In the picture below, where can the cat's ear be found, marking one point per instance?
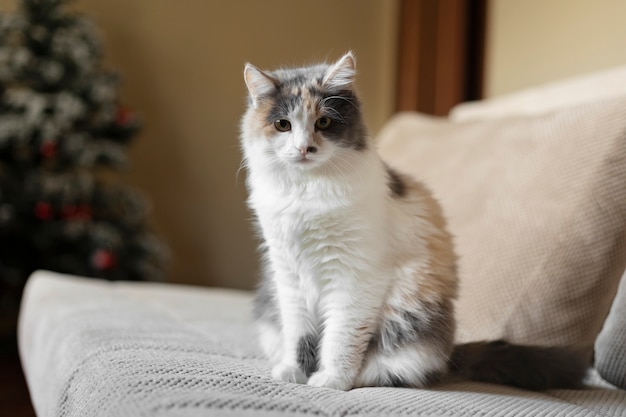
(340, 75)
(258, 83)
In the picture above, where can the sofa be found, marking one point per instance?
(532, 184)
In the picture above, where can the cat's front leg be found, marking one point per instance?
(298, 331)
(350, 320)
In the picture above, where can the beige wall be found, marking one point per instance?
(536, 41)
(182, 62)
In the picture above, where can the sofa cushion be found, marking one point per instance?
(537, 204)
(611, 342)
(542, 99)
(93, 348)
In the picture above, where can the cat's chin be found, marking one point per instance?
(303, 162)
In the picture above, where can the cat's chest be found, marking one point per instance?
(306, 218)
(319, 219)
(313, 244)
(306, 201)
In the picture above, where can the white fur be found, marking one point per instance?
(337, 243)
(411, 363)
(327, 248)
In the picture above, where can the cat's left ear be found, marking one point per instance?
(259, 83)
(340, 76)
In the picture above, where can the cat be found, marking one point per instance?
(360, 272)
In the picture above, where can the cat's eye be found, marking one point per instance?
(282, 125)
(323, 123)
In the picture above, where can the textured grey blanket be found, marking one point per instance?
(93, 348)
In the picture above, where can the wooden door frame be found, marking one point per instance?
(440, 54)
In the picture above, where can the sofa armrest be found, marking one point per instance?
(88, 346)
(610, 345)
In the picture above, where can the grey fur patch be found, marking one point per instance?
(343, 107)
(307, 353)
(347, 129)
(396, 184)
(431, 324)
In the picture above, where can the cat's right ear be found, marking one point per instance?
(259, 83)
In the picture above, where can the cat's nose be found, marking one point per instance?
(306, 150)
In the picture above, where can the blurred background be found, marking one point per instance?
(181, 64)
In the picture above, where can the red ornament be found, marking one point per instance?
(67, 211)
(43, 210)
(123, 116)
(84, 212)
(103, 259)
(76, 212)
(48, 149)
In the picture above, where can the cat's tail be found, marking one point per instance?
(529, 367)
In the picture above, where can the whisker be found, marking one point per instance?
(242, 165)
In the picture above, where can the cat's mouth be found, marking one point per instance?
(301, 159)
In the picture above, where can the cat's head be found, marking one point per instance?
(305, 117)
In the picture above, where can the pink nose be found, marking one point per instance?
(309, 149)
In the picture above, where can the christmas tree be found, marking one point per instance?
(63, 132)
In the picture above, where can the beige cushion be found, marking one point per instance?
(538, 207)
(547, 98)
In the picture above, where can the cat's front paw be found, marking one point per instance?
(328, 380)
(288, 373)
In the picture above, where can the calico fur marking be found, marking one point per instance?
(397, 186)
(428, 324)
(342, 107)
